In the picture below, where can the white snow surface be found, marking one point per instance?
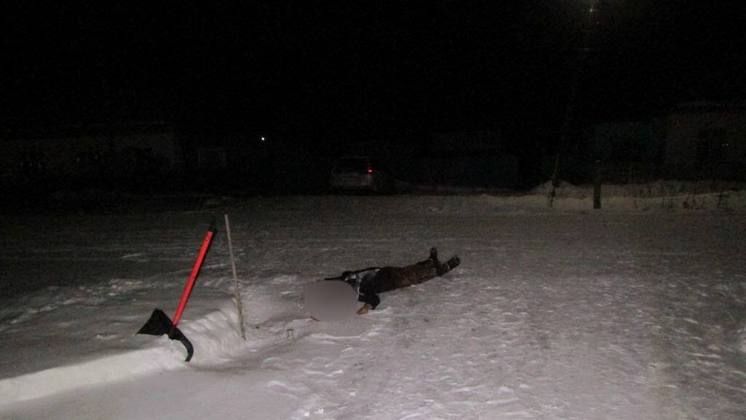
(635, 311)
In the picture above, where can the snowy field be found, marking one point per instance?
(636, 311)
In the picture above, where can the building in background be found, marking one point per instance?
(629, 151)
(692, 141)
(90, 156)
(474, 158)
(706, 140)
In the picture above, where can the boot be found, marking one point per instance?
(448, 265)
(434, 255)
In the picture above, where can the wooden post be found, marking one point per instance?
(597, 186)
(236, 291)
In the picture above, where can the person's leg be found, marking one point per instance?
(390, 278)
(421, 271)
(431, 260)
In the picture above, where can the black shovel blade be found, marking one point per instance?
(159, 324)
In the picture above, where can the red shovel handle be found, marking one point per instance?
(193, 274)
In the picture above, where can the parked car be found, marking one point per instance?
(360, 173)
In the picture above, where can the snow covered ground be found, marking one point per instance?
(636, 311)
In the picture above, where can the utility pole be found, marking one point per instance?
(589, 30)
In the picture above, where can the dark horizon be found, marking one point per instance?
(320, 71)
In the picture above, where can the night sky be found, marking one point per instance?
(321, 69)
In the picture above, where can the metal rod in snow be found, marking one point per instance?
(236, 290)
(597, 178)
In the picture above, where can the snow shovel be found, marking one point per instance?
(159, 323)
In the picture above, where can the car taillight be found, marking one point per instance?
(370, 169)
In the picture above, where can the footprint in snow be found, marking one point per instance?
(136, 257)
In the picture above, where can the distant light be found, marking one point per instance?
(264, 139)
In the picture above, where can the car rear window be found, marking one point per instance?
(352, 165)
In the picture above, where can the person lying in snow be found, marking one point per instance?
(368, 282)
